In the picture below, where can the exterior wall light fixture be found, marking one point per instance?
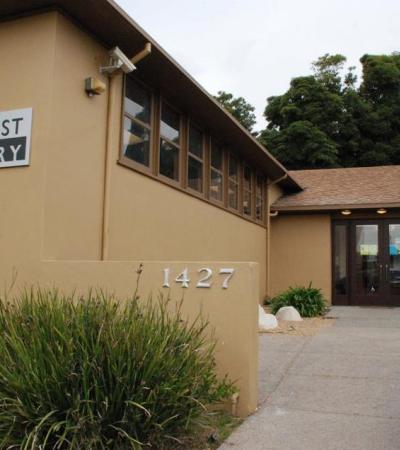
(93, 86)
(381, 211)
(345, 212)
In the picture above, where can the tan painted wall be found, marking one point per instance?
(237, 348)
(27, 81)
(148, 219)
(301, 252)
(274, 192)
(75, 163)
(170, 223)
(51, 228)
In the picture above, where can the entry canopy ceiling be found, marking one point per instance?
(351, 188)
(110, 25)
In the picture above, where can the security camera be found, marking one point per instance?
(118, 60)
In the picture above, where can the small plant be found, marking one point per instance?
(266, 300)
(308, 301)
(96, 373)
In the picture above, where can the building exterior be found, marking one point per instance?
(341, 232)
(152, 170)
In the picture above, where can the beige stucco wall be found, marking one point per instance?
(75, 204)
(76, 149)
(26, 82)
(237, 347)
(300, 252)
(274, 192)
(148, 219)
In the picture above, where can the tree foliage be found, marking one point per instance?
(239, 108)
(325, 120)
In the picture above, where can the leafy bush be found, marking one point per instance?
(308, 301)
(95, 373)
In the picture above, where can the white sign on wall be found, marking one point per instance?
(15, 137)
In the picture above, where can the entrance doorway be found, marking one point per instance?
(366, 262)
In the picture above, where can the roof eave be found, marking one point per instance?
(333, 207)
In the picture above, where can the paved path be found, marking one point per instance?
(338, 390)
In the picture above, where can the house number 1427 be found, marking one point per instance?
(204, 279)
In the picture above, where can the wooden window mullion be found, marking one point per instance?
(184, 151)
(157, 137)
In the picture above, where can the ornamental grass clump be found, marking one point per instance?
(96, 373)
(308, 301)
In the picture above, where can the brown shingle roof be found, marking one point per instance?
(358, 187)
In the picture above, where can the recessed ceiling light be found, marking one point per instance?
(381, 211)
(346, 212)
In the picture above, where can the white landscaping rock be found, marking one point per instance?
(288, 313)
(266, 321)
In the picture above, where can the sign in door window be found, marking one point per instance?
(15, 137)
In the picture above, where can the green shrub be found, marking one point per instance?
(308, 301)
(95, 373)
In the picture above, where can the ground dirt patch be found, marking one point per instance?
(307, 327)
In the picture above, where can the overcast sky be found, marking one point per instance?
(253, 48)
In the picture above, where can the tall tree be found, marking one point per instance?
(327, 69)
(303, 124)
(380, 88)
(324, 120)
(239, 108)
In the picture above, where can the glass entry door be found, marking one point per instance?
(392, 265)
(366, 262)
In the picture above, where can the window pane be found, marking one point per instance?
(259, 198)
(233, 195)
(170, 124)
(259, 185)
(233, 168)
(195, 174)
(259, 208)
(394, 252)
(196, 141)
(247, 203)
(367, 260)
(340, 259)
(247, 178)
(216, 185)
(137, 101)
(169, 160)
(216, 156)
(136, 142)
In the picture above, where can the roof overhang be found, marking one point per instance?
(333, 207)
(110, 25)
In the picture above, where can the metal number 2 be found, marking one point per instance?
(203, 282)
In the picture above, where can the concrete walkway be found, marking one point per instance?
(338, 390)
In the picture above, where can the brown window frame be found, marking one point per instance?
(250, 191)
(157, 100)
(263, 196)
(128, 161)
(180, 147)
(221, 171)
(189, 154)
(237, 182)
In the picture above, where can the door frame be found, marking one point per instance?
(356, 299)
(361, 217)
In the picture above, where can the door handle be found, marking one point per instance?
(386, 272)
(380, 271)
